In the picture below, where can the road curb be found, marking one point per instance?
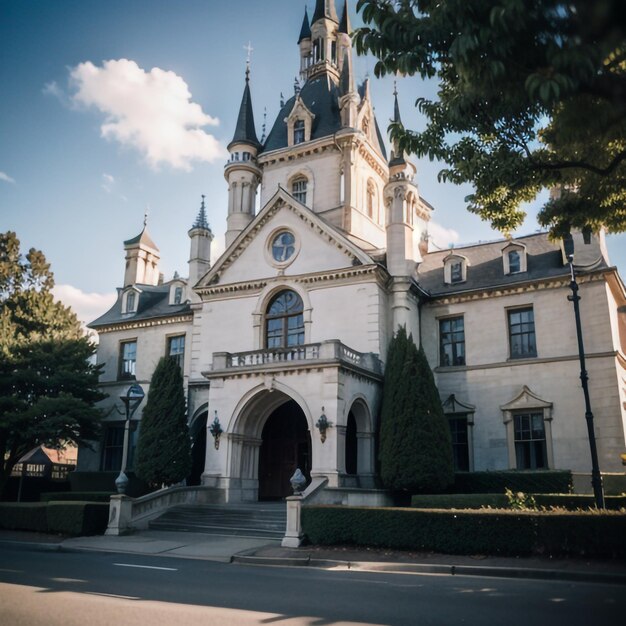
(32, 546)
(450, 570)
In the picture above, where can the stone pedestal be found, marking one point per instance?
(120, 512)
(293, 533)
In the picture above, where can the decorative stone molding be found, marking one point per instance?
(160, 321)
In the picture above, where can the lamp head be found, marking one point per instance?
(568, 246)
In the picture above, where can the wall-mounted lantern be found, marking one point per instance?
(323, 425)
(216, 430)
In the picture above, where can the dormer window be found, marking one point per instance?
(456, 272)
(129, 304)
(178, 295)
(514, 258)
(177, 292)
(298, 132)
(455, 269)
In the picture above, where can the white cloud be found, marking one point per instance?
(108, 182)
(87, 306)
(6, 178)
(149, 111)
(441, 237)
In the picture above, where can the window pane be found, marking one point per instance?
(530, 441)
(522, 333)
(128, 357)
(514, 261)
(452, 341)
(285, 321)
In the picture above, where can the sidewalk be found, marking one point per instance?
(261, 551)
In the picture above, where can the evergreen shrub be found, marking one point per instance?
(539, 481)
(164, 447)
(77, 518)
(485, 531)
(23, 516)
(415, 448)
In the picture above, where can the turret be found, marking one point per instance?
(324, 38)
(142, 259)
(349, 98)
(304, 41)
(242, 171)
(404, 227)
(200, 247)
(344, 42)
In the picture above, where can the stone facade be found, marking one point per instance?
(282, 341)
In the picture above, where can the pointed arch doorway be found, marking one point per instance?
(286, 445)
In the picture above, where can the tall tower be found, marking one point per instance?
(142, 259)
(401, 200)
(324, 26)
(200, 247)
(242, 171)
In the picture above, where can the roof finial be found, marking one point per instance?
(282, 100)
(395, 89)
(145, 215)
(201, 221)
(249, 50)
(296, 86)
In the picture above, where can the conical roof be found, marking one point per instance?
(305, 31)
(201, 220)
(245, 131)
(143, 238)
(344, 25)
(324, 8)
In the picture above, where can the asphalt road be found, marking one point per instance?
(51, 588)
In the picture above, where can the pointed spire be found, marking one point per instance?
(245, 131)
(201, 220)
(346, 82)
(324, 8)
(305, 31)
(396, 107)
(344, 25)
(264, 127)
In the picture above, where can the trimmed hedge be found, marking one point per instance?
(469, 532)
(66, 518)
(77, 518)
(465, 501)
(540, 481)
(23, 516)
(82, 496)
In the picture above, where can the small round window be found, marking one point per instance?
(283, 246)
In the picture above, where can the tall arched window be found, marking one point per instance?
(284, 321)
(298, 189)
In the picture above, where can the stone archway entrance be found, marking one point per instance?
(286, 445)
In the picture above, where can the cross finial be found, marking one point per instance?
(249, 50)
(145, 216)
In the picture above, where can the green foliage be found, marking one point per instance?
(541, 481)
(164, 447)
(520, 501)
(415, 448)
(485, 531)
(24, 516)
(77, 518)
(531, 96)
(73, 496)
(48, 387)
(459, 501)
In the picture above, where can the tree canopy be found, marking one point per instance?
(48, 386)
(164, 447)
(415, 449)
(532, 95)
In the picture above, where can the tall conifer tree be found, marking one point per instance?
(164, 448)
(415, 447)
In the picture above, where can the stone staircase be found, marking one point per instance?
(256, 519)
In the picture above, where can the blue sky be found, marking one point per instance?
(110, 107)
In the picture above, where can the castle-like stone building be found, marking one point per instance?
(282, 341)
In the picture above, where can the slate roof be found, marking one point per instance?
(324, 8)
(153, 302)
(305, 31)
(245, 131)
(485, 268)
(142, 237)
(321, 96)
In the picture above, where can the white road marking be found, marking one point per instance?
(167, 569)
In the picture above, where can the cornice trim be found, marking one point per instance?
(130, 325)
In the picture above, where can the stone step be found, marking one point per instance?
(263, 520)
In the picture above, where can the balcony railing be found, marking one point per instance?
(325, 351)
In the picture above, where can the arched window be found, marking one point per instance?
(284, 321)
(298, 189)
(298, 132)
(371, 197)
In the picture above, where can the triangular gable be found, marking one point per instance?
(279, 201)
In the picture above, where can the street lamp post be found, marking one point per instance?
(131, 399)
(596, 477)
